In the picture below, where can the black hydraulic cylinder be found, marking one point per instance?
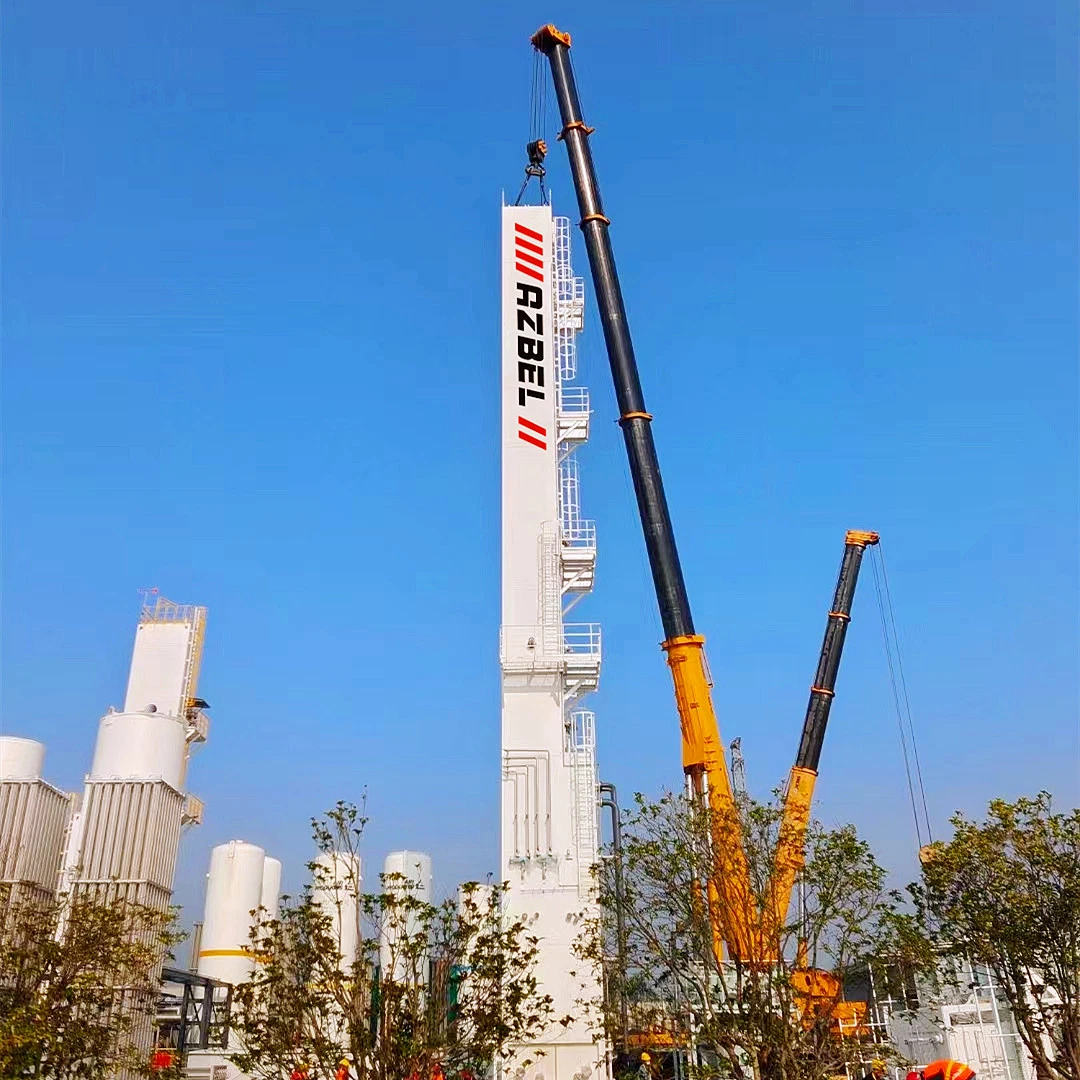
(832, 648)
(633, 418)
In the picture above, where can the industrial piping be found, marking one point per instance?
(612, 803)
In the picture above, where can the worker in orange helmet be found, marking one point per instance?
(437, 1072)
(946, 1069)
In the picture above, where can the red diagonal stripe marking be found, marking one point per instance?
(530, 439)
(529, 259)
(529, 232)
(527, 246)
(531, 273)
(531, 426)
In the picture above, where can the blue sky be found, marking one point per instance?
(250, 340)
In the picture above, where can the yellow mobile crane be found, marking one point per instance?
(751, 934)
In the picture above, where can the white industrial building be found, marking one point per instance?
(550, 827)
(125, 839)
(122, 838)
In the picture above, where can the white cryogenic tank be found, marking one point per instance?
(21, 759)
(336, 889)
(399, 958)
(234, 888)
(271, 887)
(140, 746)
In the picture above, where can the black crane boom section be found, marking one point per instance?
(633, 417)
(832, 648)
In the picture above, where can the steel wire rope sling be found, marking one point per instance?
(536, 148)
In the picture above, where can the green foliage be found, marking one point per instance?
(750, 1020)
(458, 987)
(1006, 893)
(71, 1003)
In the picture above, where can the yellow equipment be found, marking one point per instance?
(751, 934)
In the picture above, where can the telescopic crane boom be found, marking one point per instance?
(703, 755)
(751, 935)
(800, 788)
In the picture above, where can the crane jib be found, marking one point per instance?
(659, 536)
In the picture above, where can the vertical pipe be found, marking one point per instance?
(612, 802)
(196, 945)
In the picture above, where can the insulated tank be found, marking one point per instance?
(234, 888)
(140, 746)
(404, 872)
(271, 887)
(21, 759)
(336, 889)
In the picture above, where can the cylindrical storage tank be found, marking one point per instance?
(399, 954)
(336, 888)
(271, 887)
(140, 746)
(234, 888)
(21, 759)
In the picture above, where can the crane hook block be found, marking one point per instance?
(547, 37)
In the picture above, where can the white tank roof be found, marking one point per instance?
(21, 759)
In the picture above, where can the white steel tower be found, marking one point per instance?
(550, 828)
(128, 834)
(125, 840)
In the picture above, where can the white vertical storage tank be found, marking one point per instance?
(34, 818)
(234, 889)
(271, 887)
(404, 872)
(336, 889)
(140, 746)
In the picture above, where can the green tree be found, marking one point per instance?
(779, 1021)
(72, 1003)
(1006, 893)
(457, 989)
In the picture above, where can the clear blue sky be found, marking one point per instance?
(250, 343)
